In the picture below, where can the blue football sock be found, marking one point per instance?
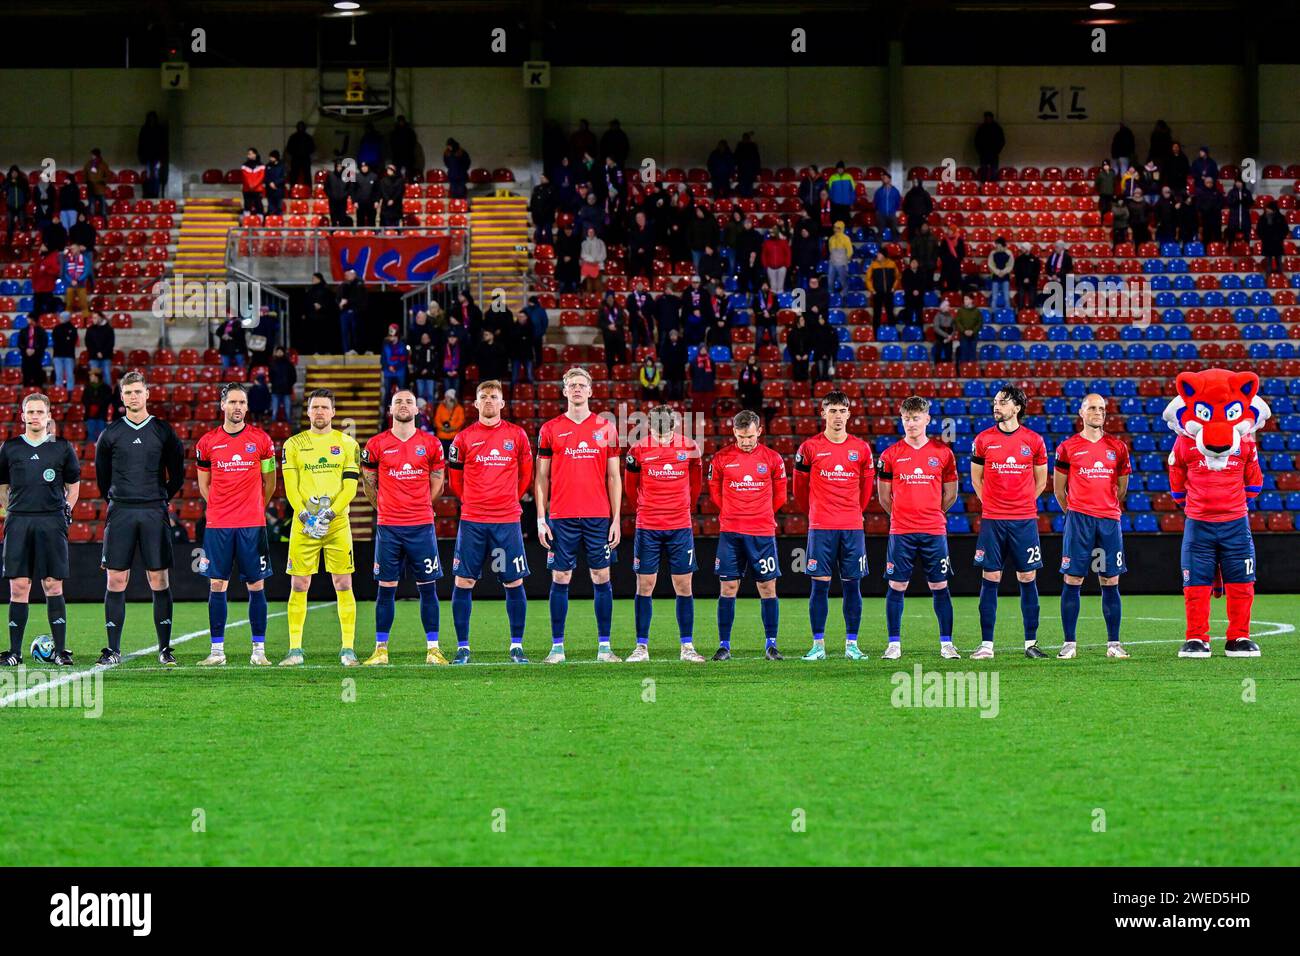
(385, 611)
(942, 599)
(988, 608)
(852, 602)
(257, 615)
(726, 618)
(1070, 610)
(770, 608)
(217, 616)
(603, 604)
(1029, 609)
(818, 608)
(431, 612)
(894, 613)
(643, 608)
(516, 613)
(1110, 610)
(559, 611)
(685, 617)
(462, 604)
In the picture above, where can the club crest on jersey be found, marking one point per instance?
(979, 554)
(203, 565)
(1024, 451)
(1110, 456)
(681, 456)
(636, 564)
(455, 563)
(717, 564)
(419, 449)
(376, 569)
(762, 469)
(290, 567)
(812, 564)
(250, 447)
(853, 456)
(889, 567)
(934, 462)
(1065, 561)
(1187, 575)
(335, 450)
(508, 445)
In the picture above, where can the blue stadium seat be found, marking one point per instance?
(1150, 266)
(1233, 282)
(722, 353)
(913, 333)
(1145, 522)
(887, 333)
(1055, 406)
(1271, 441)
(1124, 386)
(845, 354)
(1179, 333)
(1059, 333)
(1279, 462)
(1139, 423)
(953, 406)
(1148, 461)
(974, 389)
(1212, 299)
(1193, 249)
(1125, 524)
(1185, 351)
(1075, 388)
(1157, 481)
(1137, 351)
(958, 524)
(842, 333)
(891, 353)
(1143, 443)
(1189, 299)
(1063, 352)
(1088, 352)
(1038, 352)
(1271, 501)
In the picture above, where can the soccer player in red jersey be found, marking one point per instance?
(917, 478)
(402, 473)
(748, 483)
(236, 464)
(663, 483)
(1213, 483)
(1009, 471)
(491, 466)
(579, 492)
(832, 484)
(1090, 482)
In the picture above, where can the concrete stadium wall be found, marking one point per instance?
(676, 115)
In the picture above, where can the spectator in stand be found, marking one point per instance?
(1150, 183)
(1165, 214)
(641, 248)
(1123, 148)
(65, 352)
(259, 401)
(712, 266)
(1104, 184)
(1060, 263)
(749, 257)
(1139, 214)
(95, 399)
(490, 356)
(766, 309)
(274, 183)
(538, 323)
(583, 140)
(151, 148)
(232, 344)
(457, 161)
(418, 327)
(614, 144)
(83, 234)
(840, 251)
(300, 149)
(843, 193)
(640, 308)
(541, 209)
(1239, 200)
(805, 253)
(1001, 264)
(1209, 209)
(817, 297)
(97, 175)
(702, 235)
(747, 165)
(253, 176)
(33, 341)
(1189, 222)
(337, 191)
(46, 269)
(392, 189)
(101, 341)
(1175, 169)
(593, 261)
(888, 201)
(811, 186)
(1119, 224)
(46, 204)
(776, 259)
(568, 255)
(721, 165)
(17, 192)
(426, 367)
(448, 418)
(77, 271)
(69, 204)
(1129, 181)
(1272, 231)
(673, 357)
(520, 349)
(695, 316)
(284, 379)
(364, 190)
(704, 383)
(917, 206)
(924, 245)
(320, 308)
(798, 345)
(651, 377)
(564, 177)
(916, 284)
(1027, 270)
(969, 320)
(945, 331)
(451, 361)
(882, 281)
(1161, 145)
(719, 320)
(751, 385)
(404, 147)
(353, 302)
(668, 316)
(826, 349)
(989, 143)
(952, 253)
(1204, 167)
(613, 332)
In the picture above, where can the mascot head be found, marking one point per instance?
(1217, 408)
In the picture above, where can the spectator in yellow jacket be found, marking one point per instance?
(882, 279)
(840, 250)
(449, 418)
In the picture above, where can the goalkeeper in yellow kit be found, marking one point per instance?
(321, 468)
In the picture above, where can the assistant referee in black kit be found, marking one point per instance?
(39, 482)
(140, 466)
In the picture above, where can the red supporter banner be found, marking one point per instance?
(399, 260)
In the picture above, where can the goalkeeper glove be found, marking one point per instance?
(321, 524)
(67, 514)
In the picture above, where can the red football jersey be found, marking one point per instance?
(663, 482)
(491, 468)
(1009, 459)
(237, 462)
(1093, 470)
(916, 477)
(404, 469)
(578, 452)
(748, 488)
(832, 482)
(1214, 495)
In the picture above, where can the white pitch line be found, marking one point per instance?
(68, 678)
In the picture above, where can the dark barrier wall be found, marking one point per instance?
(1153, 563)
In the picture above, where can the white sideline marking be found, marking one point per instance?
(68, 678)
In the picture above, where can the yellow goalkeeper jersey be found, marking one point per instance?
(319, 465)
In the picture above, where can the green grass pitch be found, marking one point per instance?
(1149, 761)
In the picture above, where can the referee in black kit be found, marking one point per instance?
(140, 465)
(39, 481)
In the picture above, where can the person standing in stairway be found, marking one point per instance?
(353, 302)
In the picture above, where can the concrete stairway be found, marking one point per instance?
(201, 247)
(500, 247)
